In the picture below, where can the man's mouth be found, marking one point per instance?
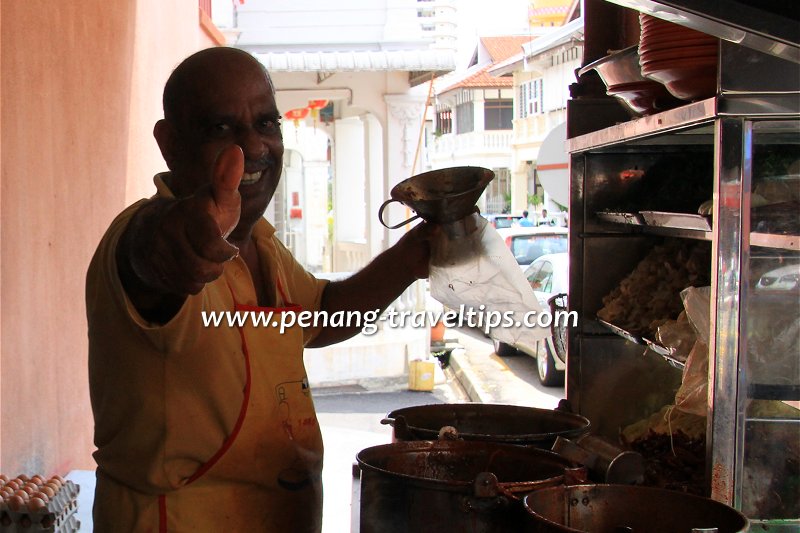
(250, 178)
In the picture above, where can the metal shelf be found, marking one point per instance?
(673, 119)
(680, 121)
(771, 240)
(661, 231)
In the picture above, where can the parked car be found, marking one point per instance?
(785, 278)
(502, 220)
(529, 243)
(549, 278)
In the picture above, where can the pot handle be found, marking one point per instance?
(384, 205)
(401, 429)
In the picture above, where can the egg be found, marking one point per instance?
(58, 478)
(53, 486)
(23, 477)
(48, 491)
(13, 484)
(36, 504)
(6, 492)
(30, 490)
(22, 494)
(4, 478)
(15, 503)
(39, 480)
(41, 495)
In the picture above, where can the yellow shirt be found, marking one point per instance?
(166, 397)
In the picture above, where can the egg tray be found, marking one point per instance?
(58, 515)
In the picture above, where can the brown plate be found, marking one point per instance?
(647, 44)
(679, 53)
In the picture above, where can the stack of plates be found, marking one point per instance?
(621, 73)
(684, 60)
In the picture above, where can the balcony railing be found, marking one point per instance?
(476, 142)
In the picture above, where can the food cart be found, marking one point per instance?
(721, 209)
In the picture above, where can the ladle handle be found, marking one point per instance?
(380, 215)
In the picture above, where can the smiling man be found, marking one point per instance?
(213, 428)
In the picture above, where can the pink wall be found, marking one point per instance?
(81, 88)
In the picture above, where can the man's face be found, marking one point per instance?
(235, 105)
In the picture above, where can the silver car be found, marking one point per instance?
(548, 276)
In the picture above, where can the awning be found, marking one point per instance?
(353, 61)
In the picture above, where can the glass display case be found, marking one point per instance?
(707, 195)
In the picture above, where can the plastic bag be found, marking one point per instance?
(678, 336)
(472, 270)
(692, 396)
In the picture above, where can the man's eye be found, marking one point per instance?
(269, 126)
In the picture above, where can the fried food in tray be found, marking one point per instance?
(650, 295)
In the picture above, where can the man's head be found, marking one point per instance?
(215, 98)
(544, 212)
(525, 214)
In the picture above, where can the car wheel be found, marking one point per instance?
(502, 349)
(548, 375)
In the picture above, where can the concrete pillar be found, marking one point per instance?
(350, 181)
(315, 212)
(376, 192)
(402, 137)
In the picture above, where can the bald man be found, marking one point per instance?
(201, 427)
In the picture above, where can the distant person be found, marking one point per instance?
(525, 222)
(544, 220)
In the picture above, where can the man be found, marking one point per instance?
(525, 222)
(543, 220)
(202, 428)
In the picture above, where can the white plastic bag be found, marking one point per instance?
(473, 271)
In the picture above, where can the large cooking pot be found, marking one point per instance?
(510, 424)
(625, 508)
(464, 486)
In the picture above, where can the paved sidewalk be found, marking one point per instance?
(487, 378)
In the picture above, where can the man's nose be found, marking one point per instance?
(252, 144)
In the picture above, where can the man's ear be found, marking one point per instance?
(166, 137)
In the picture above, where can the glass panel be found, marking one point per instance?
(770, 475)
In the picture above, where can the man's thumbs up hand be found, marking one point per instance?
(227, 203)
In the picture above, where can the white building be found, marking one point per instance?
(542, 74)
(473, 115)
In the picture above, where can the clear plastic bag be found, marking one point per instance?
(473, 270)
(692, 396)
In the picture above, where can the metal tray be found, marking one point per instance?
(622, 333)
(664, 352)
(621, 218)
(677, 220)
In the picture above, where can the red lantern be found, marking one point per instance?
(296, 115)
(315, 106)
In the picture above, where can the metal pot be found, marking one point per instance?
(440, 196)
(627, 509)
(510, 424)
(435, 486)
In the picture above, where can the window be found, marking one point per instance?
(444, 121)
(542, 279)
(465, 122)
(532, 98)
(498, 114)
(528, 248)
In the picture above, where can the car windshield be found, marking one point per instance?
(528, 248)
(503, 222)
